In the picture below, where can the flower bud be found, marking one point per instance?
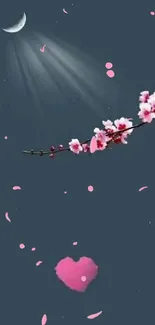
(52, 148)
(52, 155)
(60, 147)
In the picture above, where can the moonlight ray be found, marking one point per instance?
(58, 72)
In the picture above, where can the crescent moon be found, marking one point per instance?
(16, 28)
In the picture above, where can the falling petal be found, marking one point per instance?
(92, 316)
(42, 49)
(93, 145)
(90, 188)
(65, 12)
(15, 188)
(38, 263)
(142, 188)
(110, 73)
(44, 319)
(22, 246)
(108, 65)
(33, 249)
(75, 243)
(152, 13)
(7, 217)
(5, 137)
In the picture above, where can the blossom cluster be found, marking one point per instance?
(112, 132)
(119, 130)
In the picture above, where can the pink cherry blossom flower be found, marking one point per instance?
(122, 124)
(75, 146)
(101, 145)
(109, 125)
(144, 96)
(100, 134)
(151, 101)
(101, 138)
(145, 113)
(120, 139)
(85, 147)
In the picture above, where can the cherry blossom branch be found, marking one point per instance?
(116, 132)
(54, 151)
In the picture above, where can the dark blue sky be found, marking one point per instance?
(115, 224)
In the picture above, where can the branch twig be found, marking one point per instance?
(60, 148)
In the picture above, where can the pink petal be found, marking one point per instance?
(142, 188)
(92, 316)
(7, 217)
(5, 137)
(108, 65)
(75, 243)
(38, 263)
(90, 188)
(152, 13)
(110, 73)
(22, 246)
(65, 12)
(44, 319)
(93, 145)
(42, 49)
(33, 249)
(15, 188)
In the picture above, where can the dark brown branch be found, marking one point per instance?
(61, 149)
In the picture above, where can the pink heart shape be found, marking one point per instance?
(76, 275)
